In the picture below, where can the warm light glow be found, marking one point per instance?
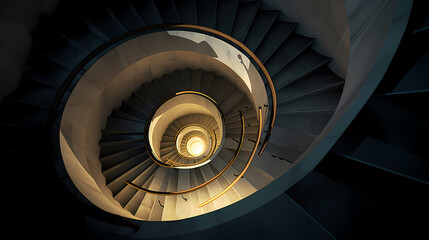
(195, 146)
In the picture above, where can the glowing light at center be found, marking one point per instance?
(195, 146)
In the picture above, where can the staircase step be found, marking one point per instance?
(206, 12)
(140, 103)
(309, 123)
(322, 102)
(187, 11)
(226, 12)
(126, 116)
(105, 22)
(165, 151)
(185, 80)
(389, 158)
(214, 187)
(109, 148)
(119, 124)
(148, 11)
(47, 72)
(150, 205)
(287, 143)
(65, 53)
(183, 207)
(242, 187)
(202, 193)
(35, 94)
(110, 136)
(126, 15)
(116, 158)
(167, 10)
(206, 80)
(260, 27)
(148, 96)
(128, 196)
(277, 34)
(80, 32)
(290, 49)
(314, 84)
(304, 65)
(130, 109)
(255, 176)
(414, 81)
(236, 96)
(196, 80)
(246, 12)
(123, 168)
(169, 212)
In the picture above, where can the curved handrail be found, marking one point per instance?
(149, 120)
(237, 151)
(245, 167)
(260, 65)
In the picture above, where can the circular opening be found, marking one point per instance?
(195, 146)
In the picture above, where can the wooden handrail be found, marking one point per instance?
(239, 176)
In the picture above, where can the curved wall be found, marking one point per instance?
(114, 76)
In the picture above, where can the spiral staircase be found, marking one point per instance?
(149, 176)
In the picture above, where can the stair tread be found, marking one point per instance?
(285, 142)
(124, 167)
(307, 123)
(168, 11)
(109, 148)
(206, 12)
(116, 158)
(147, 11)
(387, 157)
(277, 34)
(315, 83)
(105, 22)
(34, 94)
(126, 15)
(64, 52)
(287, 52)
(301, 67)
(81, 33)
(126, 116)
(119, 124)
(226, 11)
(320, 102)
(260, 27)
(246, 12)
(187, 11)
